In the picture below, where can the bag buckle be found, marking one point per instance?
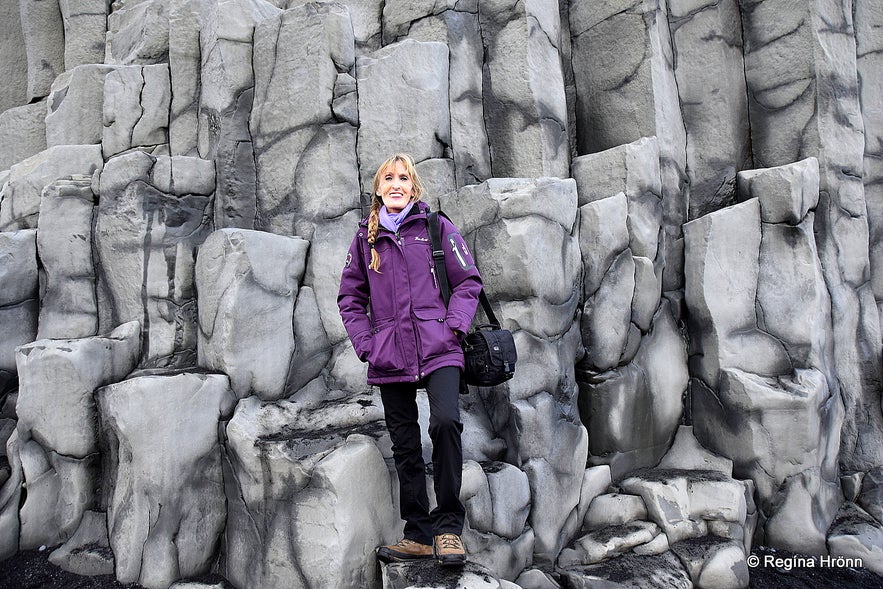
(438, 254)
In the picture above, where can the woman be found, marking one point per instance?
(393, 311)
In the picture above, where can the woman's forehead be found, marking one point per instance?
(395, 167)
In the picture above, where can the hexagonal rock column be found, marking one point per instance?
(18, 296)
(68, 306)
(43, 30)
(763, 352)
(20, 202)
(308, 493)
(185, 77)
(138, 33)
(13, 59)
(812, 108)
(626, 89)
(304, 118)
(248, 283)
(404, 106)
(136, 108)
(85, 25)
(74, 115)
(635, 367)
(162, 474)
(524, 103)
(710, 73)
(153, 215)
(534, 285)
(24, 130)
(226, 94)
(57, 421)
(456, 25)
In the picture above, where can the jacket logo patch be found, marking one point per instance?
(349, 259)
(418, 238)
(455, 248)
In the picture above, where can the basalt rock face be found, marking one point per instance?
(675, 206)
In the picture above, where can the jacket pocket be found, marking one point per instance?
(385, 354)
(434, 337)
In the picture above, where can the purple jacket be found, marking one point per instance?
(396, 319)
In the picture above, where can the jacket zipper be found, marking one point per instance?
(432, 271)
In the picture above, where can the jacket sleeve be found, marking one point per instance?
(352, 299)
(463, 277)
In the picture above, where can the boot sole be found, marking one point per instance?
(387, 556)
(451, 560)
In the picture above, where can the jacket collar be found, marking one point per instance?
(418, 211)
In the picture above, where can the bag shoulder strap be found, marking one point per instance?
(438, 258)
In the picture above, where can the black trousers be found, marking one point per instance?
(400, 410)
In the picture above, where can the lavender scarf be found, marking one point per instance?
(392, 221)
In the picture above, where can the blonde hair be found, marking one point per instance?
(377, 202)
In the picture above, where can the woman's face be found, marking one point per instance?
(396, 187)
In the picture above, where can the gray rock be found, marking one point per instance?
(68, 305)
(74, 115)
(428, 575)
(851, 484)
(136, 108)
(289, 72)
(658, 545)
(710, 73)
(786, 193)
(173, 481)
(686, 453)
(138, 33)
(248, 284)
(366, 21)
(603, 231)
(10, 500)
(523, 89)
(145, 243)
(18, 297)
(613, 509)
(24, 131)
(713, 562)
(812, 108)
(854, 534)
(605, 319)
(20, 203)
(43, 30)
(536, 579)
(871, 497)
(419, 125)
(85, 24)
(607, 542)
(308, 499)
(629, 571)
(184, 72)
(87, 552)
(56, 425)
(13, 59)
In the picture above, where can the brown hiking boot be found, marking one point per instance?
(449, 550)
(404, 550)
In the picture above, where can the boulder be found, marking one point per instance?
(428, 575)
(713, 562)
(613, 509)
(629, 571)
(607, 542)
(165, 493)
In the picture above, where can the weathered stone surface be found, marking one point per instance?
(88, 550)
(786, 193)
(706, 36)
(24, 131)
(523, 89)
(309, 500)
(57, 427)
(74, 115)
(165, 494)
(13, 59)
(185, 77)
(686, 453)
(152, 216)
(713, 562)
(613, 509)
(811, 108)
(536, 579)
(419, 125)
(68, 305)
(456, 24)
(855, 534)
(138, 33)
(629, 572)
(85, 24)
(290, 72)
(43, 31)
(428, 575)
(608, 542)
(10, 500)
(18, 297)
(136, 108)
(20, 201)
(625, 90)
(871, 497)
(248, 284)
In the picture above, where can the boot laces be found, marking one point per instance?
(451, 541)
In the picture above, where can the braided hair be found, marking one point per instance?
(377, 202)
